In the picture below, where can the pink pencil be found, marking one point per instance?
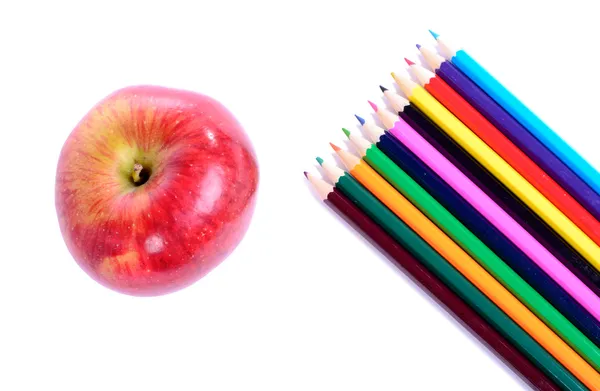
(490, 210)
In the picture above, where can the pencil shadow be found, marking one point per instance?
(376, 119)
(339, 161)
(349, 146)
(423, 62)
(383, 256)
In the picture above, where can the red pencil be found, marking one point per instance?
(496, 140)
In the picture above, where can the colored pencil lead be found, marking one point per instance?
(346, 132)
(434, 35)
(408, 61)
(373, 106)
(335, 147)
(320, 161)
(360, 119)
(382, 88)
(306, 174)
(418, 46)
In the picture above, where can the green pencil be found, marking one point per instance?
(452, 278)
(476, 248)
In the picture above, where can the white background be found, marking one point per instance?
(304, 303)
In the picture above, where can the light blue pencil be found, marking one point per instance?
(463, 61)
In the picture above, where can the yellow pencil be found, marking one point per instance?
(500, 169)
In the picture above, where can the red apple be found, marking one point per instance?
(154, 188)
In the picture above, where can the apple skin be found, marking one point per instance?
(194, 209)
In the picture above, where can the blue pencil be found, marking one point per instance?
(463, 61)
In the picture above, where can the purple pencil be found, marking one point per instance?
(512, 129)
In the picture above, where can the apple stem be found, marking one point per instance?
(137, 168)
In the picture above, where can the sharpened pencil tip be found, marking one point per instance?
(408, 61)
(346, 132)
(306, 174)
(434, 35)
(418, 46)
(373, 106)
(335, 147)
(393, 74)
(360, 119)
(383, 89)
(320, 161)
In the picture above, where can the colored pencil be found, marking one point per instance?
(524, 216)
(443, 295)
(463, 61)
(487, 233)
(487, 207)
(469, 268)
(496, 140)
(408, 239)
(500, 168)
(516, 132)
(471, 244)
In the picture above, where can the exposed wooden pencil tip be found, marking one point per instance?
(335, 147)
(373, 106)
(408, 61)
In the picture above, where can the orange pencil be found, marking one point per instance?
(467, 266)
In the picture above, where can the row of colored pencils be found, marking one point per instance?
(488, 208)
